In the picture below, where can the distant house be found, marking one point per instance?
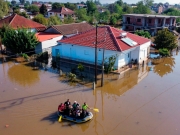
(68, 30)
(81, 47)
(61, 12)
(148, 22)
(79, 6)
(46, 41)
(17, 21)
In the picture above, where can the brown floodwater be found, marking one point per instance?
(139, 102)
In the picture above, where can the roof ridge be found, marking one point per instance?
(78, 34)
(13, 18)
(115, 38)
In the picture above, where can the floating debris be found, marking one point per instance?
(6, 126)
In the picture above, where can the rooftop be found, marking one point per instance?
(73, 28)
(149, 15)
(108, 37)
(17, 21)
(41, 36)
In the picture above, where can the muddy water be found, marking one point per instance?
(140, 102)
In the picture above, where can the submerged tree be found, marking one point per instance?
(20, 40)
(165, 39)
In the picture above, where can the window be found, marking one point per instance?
(149, 20)
(50, 13)
(138, 20)
(59, 14)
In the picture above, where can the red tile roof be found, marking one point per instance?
(62, 10)
(73, 28)
(41, 36)
(17, 21)
(108, 37)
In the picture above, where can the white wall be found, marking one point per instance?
(53, 14)
(143, 50)
(87, 54)
(46, 45)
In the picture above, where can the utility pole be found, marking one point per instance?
(96, 57)
(102, 76)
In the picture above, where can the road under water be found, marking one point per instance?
(141, 102)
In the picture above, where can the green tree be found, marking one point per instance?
(143, 33)
(165, 39)
(54, 20)
(68, 20)
(23, 14)
(127, 9)
(33, 8)
(22, 1)
(40, 19)
(120, 3)
(3, 8)
(113, 20)
(13, 2)
(70, 6)
(81, 14)
(43, 9)
(141, 8)
(20, 40)
(105, 17)
(57, 5)
(91, 7)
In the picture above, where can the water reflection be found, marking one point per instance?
(163, 66)
(125, 81)
(23, 75)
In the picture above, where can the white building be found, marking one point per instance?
(124, 45)
(61, 12)
(46, 41)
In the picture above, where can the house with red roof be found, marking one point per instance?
(112, 41)
(17, 21)
(61, 12)
(68, 30)
(46, 41)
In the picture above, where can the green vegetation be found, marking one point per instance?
(109, 63)
(40, 19)
(164, 52)
(143, 33)
(3, 8)
(165, 40)
(20, 40)
(72, 77)
(43, 9)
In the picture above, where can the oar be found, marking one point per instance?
(95, 109)
(60, 118)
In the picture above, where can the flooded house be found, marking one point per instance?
(125, 46)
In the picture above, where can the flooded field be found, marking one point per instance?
(140, 102)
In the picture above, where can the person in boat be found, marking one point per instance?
(67, 107)
(61, 108)
(84, 109)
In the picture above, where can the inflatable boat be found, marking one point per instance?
(88, 117)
